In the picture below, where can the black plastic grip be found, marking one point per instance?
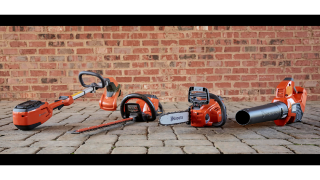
(103, 81)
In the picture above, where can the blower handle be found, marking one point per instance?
(99, 85)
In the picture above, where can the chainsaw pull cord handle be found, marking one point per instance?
(103, 81)
(142, 97)
(223, 110)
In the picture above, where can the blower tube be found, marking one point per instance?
(267, 112)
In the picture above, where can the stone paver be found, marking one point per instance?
(304, 149)
(103, 139)
(185, 130)
(273, 134)
(126, 137)
(201, 150)
(160, 129)
(21, 150)
(305, 141)
(264, 142)
(14, 137)
(222, 138)
(57, 144)
(94, 148)
(234, 148)
(162, 136)
(147, 143)
(187, 143)
(305, 136)
(45, 136)
(191, 136)
(165, 150)
(272, 150)
(57, 150)
(73, 137)
(248, 135)
(129, 150)
(12, 144)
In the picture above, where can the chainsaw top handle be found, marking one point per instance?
(198, 99)
(103, 81)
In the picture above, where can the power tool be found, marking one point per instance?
(32, 113)
(146, 108)
(287, 107)
(206, 110)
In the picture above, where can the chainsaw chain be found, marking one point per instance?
(187, 110)
(104, 126)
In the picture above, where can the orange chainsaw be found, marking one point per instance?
(32, 113)
(206, 110)
(287, 107)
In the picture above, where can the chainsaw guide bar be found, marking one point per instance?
(172, 118)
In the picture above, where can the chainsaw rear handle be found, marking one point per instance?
(103, 81)
(142, 97)
(223, 110)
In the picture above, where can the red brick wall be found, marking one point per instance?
(238, 62)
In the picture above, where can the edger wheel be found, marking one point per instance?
(223, 111)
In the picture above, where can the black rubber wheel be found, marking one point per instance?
(223, 111)
(142, 97)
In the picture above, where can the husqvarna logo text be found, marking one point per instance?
(176, 118)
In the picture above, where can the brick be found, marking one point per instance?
(249, 77)
(124, 50)
(19, 58)
(277, 41)
(310, 70)
(100, 36)
(302, 48)
(222, 70)
(10, 51)
(111, 28)
(92, 28)
(302, 34)
(112, 43)
(26, 37)
(293, 70)
(82, 36)
(285, 48)
(19, 73)
(231, 77)
(214, 78)
(151, 72)
(187, 42)
(140, 50)
(141, 79)
(57, 73)
(47, 51)
(257, 70)
(267, 34)
(232, 49)
(48, 65)
(120, 35)
(12, 37)
(103, 50)
(284, 34)
(132, 72)
(268, 49)
(17, 44)
(59, 87)
(223, 56)
(223, 85)
(212, 34)
(241, 85)
(293, 41)
(27, 51)
(266, 77)
(240, 42)
(84, 51)
(38, 73)
(205, 71)
(248, 35)
(232, 63)
(73, 28)
(74, 44)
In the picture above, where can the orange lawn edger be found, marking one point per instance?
(32, 113)
(206, 110)
(287, 107)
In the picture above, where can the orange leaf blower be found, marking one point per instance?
(287, 107)
(32, 113)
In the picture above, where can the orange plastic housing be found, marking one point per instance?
(198, 116)
(39, 115)
(286, 94)
(109, 103)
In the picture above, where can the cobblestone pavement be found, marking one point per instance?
(53, 137)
